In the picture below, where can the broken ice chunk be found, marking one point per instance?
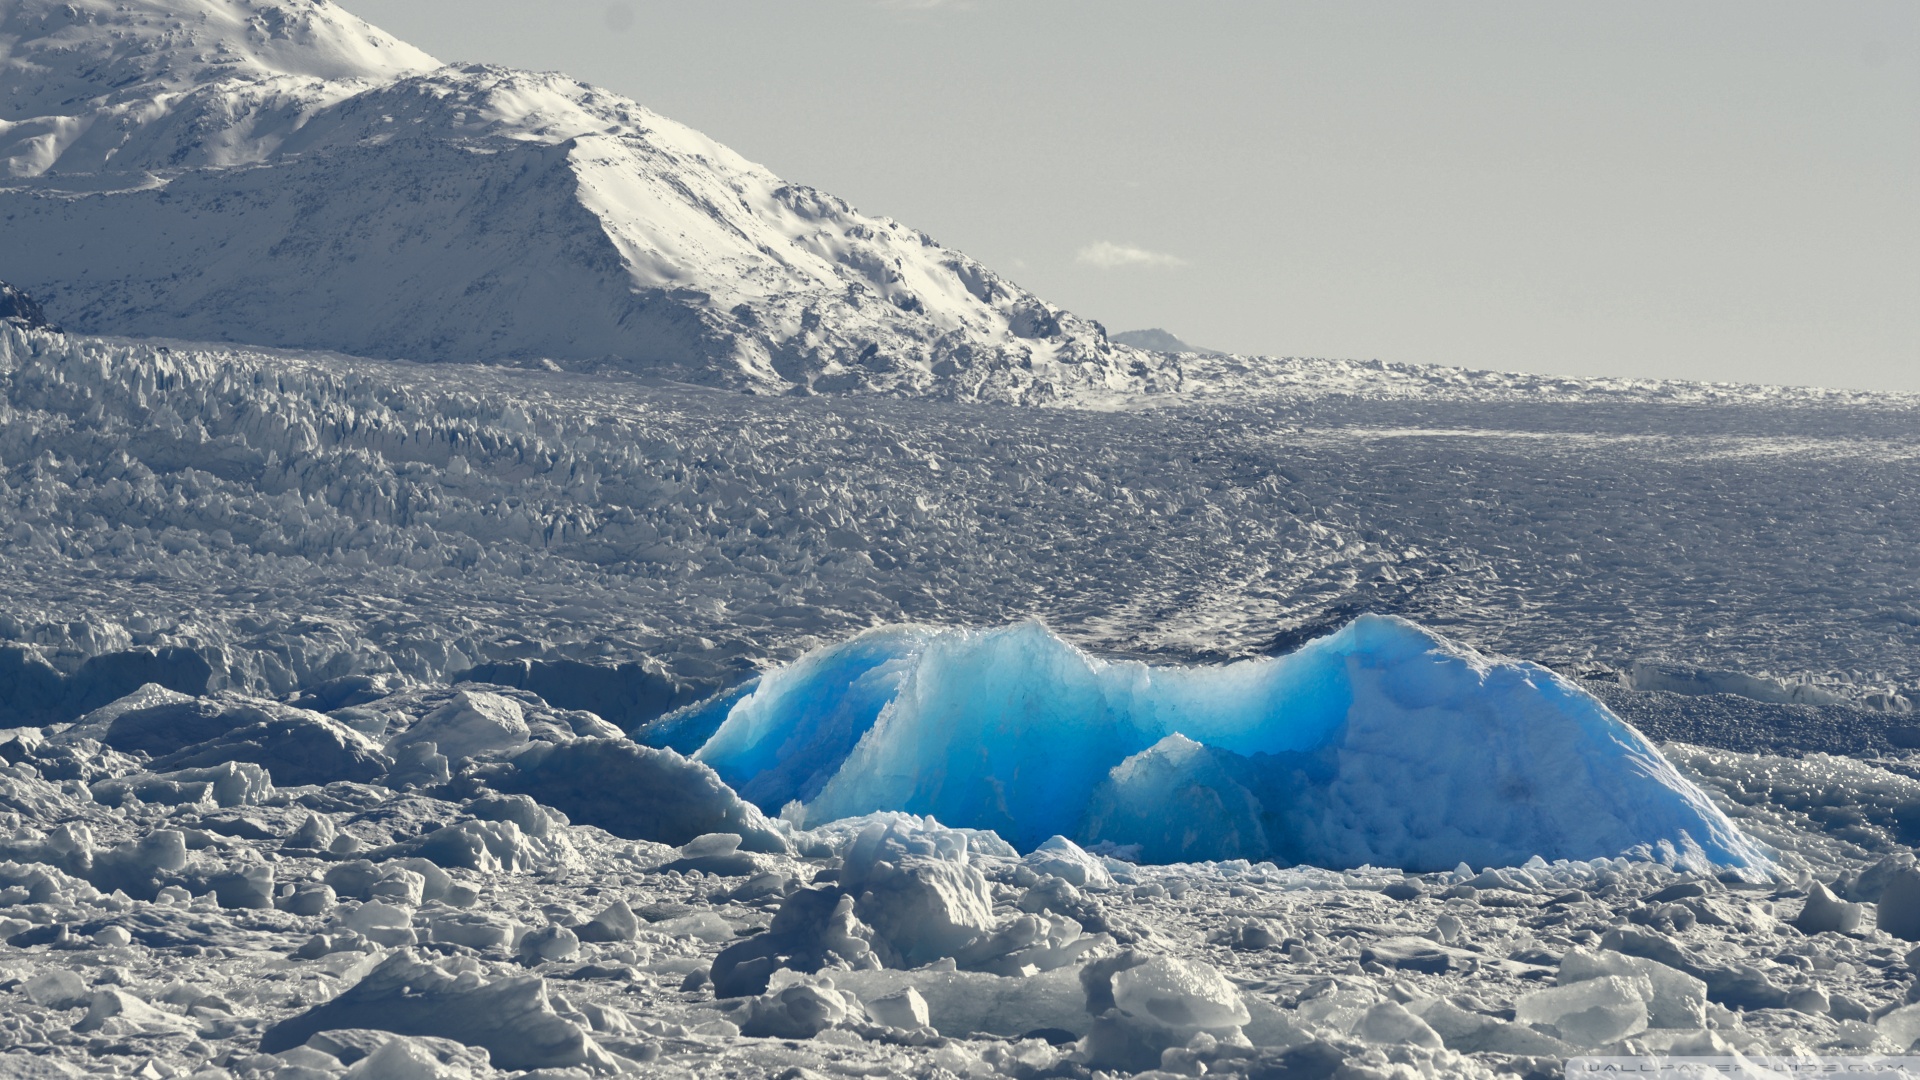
(905, 1009)
(111, 1003)
(962, 1002)
(387, 924)
(812, 929)
(435, 883)
(396, 1059)
(616, 923)
(702, 925)
(426, 1056)
(1592, 1012)
(917, 891)
(510, 1017)
(485, 846)
(316, 833)
(1825, 912)
(419, 764)
(112, 936)
(1062, 858)
(1899, 911)
(549, 943)
(1901, 1027)
(135, 866)
(249, 884)
(170, 722)
(1181, 994)
(474, 722)
(227, 784)
(714, 853)
(710, 844)
(475, 930)
(297, 747)
(1678, 1000)
(1811, 1000)
(638, 793)
(1473, 1033)
(56, 989)
(307, 1063)
(353, 879)
(399, 885)
(798, 1012)
(1417, 954)
(1389, 1023)
(94, 725)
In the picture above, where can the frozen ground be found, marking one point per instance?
(350, 535)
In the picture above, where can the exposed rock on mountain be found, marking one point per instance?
(20, 309)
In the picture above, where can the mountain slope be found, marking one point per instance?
(278, 172)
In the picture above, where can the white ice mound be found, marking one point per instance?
(473, 722)
(1382, 744)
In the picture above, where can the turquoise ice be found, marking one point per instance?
(1382, 744)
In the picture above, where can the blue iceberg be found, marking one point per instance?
(1383, 744)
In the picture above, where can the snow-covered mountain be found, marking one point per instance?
(1157, 340)
(280, 172)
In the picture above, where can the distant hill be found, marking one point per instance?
(1157, 340)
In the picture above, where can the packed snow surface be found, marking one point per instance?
(1382, 744)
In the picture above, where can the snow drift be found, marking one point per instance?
(1381, 744)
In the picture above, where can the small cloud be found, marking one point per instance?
(1107, 255)
(619, 16)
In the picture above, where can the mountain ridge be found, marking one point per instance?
(393, 209)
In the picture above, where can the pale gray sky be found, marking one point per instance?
(1716, 189)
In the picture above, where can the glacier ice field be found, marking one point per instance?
(385, 719)
(494, 583)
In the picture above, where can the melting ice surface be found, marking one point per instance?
(1381, 744)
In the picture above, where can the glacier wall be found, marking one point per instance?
(1381, 744)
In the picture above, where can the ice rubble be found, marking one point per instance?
(1382, 744)
(405, 923)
